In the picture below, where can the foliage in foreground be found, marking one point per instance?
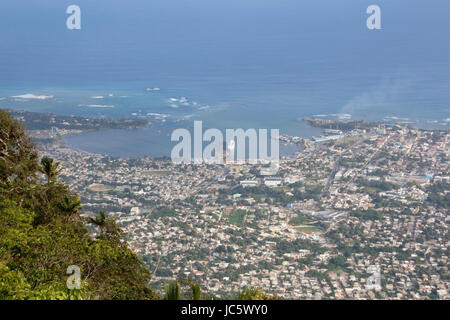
(42, 233)
(255, 294)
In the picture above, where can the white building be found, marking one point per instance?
(272, 182)
(249, 183)
(135, 211)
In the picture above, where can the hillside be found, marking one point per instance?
(42, 233)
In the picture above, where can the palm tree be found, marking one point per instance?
(173, 291)
(99, 221)
(49, 168)
(69, 207)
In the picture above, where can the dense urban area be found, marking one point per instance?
(359, 213)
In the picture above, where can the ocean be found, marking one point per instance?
(230, 63)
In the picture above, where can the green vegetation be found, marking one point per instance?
(237, 217)
(163, 212)
(42, 233)
(439, 196)
(309, 228)
(299, 220)
(157, 172)
(284, 246)
(316, 274)
(45, 121)
(277, 195)
(338, 263)
(173, 291)
(374, 187)
(196, 292)
(184, 289)
(255, 294)
(344, 125)
(369, 214)
(187, 289)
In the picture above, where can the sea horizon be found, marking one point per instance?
(257, 64)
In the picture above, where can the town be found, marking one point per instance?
(358, 198)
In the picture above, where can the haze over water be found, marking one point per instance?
(230, 63)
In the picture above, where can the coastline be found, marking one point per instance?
(137, 138)
(154, 141)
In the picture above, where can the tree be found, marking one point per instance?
(49, 168)
(99, 221)
(37, 245)
(18, 158)
(69, 207)
(173, 291)
(255, 293)
(111, 230)
(196, 292)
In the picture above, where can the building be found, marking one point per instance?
(272, 181)
(135, 211)
(249, 183)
